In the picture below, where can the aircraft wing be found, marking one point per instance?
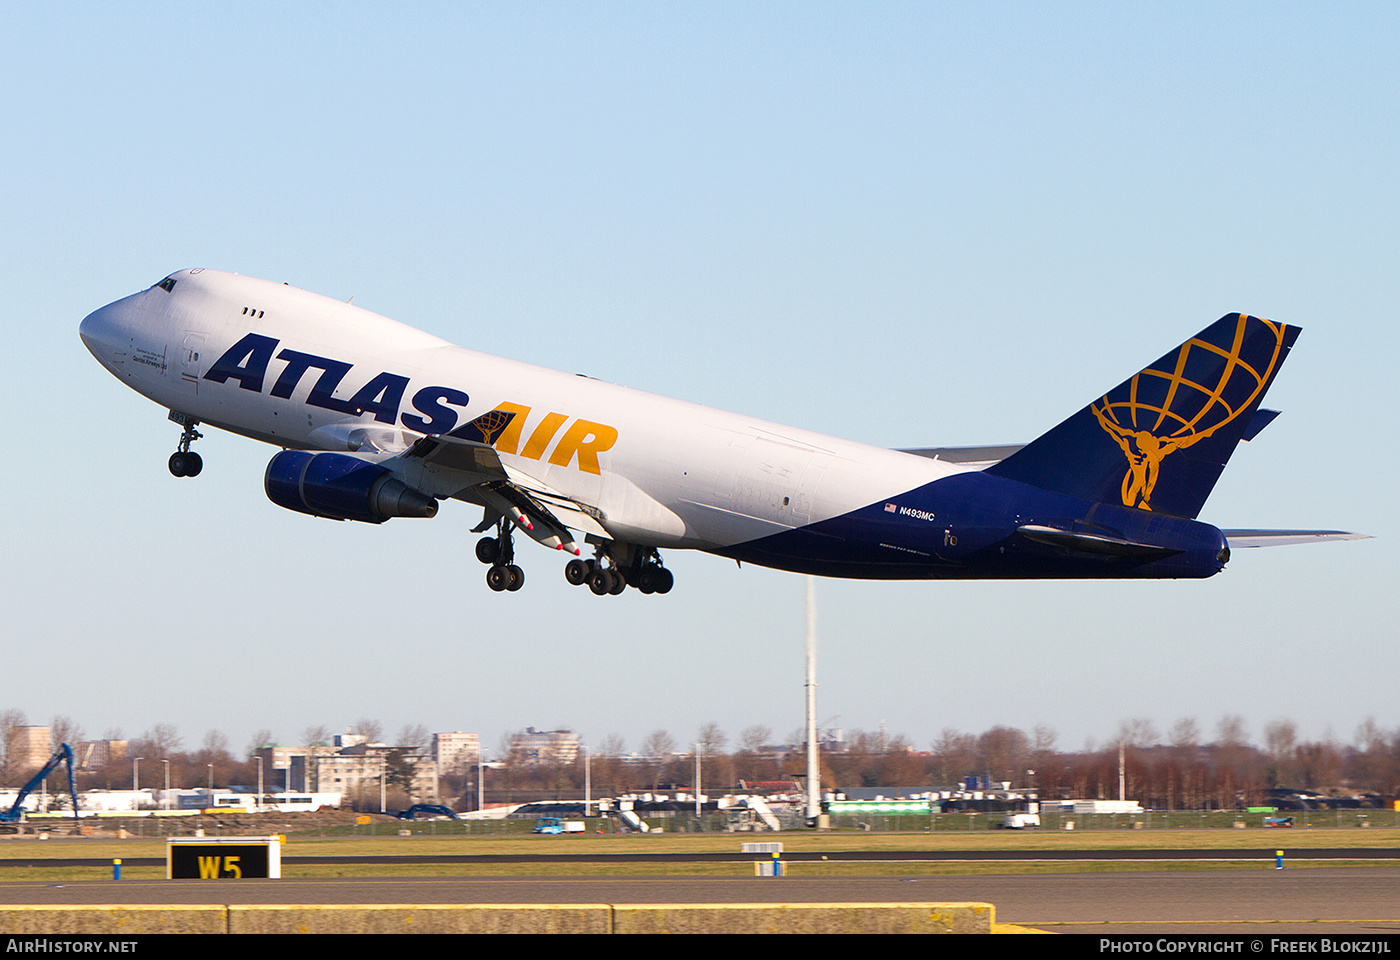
(1240, 539)
(466, 459)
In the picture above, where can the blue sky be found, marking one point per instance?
(914, 225)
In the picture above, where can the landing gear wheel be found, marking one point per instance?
(619, 582)
(184, 462)
(498, 579)
(646, 580)
(665, 581)
(576, 572)
(487, 549)
(515, 578)
(599, 581)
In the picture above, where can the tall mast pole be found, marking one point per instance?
(814, 795)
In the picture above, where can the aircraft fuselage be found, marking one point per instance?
(305, 372)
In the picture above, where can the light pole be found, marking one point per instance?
(260, 780)
(814, 780)
(136, 773)
(165, 801)
(211, 781)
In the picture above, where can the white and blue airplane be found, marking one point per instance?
(378, 420)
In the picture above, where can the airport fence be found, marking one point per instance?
(723, 822)
(1146, 820)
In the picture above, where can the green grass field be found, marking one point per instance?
(1294, 842)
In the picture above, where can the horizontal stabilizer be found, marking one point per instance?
(973, 456)
(1095, 544)
(985, 456)
(1240, 539)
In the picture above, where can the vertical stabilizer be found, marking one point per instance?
(1159, 440)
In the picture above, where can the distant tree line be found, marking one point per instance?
(1180, 770)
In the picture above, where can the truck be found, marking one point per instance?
(556, 825)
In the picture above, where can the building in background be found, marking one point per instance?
(96, 754)
(545, 746)
(456, 752)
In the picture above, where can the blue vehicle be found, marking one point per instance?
(427, 811)
(555, 825)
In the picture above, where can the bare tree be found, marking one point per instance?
(711, 739)
(718, 768)
(371, 730)
(261, 738)
(63, 729)
(955, 755)
(1138, 732)
(1281, 741)
(415, 737)
(1280, 738)
(317, 736)
(160, 741)
(755, 738)
(1185, 735)
(10, 722)
(1230, 731)
(215, 744)
(1002, 753)
(609, 772)
(1372, 764)
(658, 747)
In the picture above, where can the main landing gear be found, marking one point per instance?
(499, 552)
(616, 566)
(184, 462)
(607, 576)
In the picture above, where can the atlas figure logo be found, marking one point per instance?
(1187, 397)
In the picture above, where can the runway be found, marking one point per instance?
(1252, 902)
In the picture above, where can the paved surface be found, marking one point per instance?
(1261, 855)
(1254, 902)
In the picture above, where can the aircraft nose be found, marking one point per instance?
(95, 330)
(91, 330)
(101, 331)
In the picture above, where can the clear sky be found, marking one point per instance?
(907, 224)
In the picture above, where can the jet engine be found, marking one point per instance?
(338, 487)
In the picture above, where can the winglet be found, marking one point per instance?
(1262, 418)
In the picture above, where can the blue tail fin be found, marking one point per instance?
(1159, 440)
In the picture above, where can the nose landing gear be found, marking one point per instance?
(184, 462)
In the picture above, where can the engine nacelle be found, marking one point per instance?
(338, 487)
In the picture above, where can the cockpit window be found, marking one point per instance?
(167, 284)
